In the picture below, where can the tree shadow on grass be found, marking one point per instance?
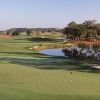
(17, 52)
(34, 54)
(37, 39)
(51, 64)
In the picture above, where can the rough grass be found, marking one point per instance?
(27, 75)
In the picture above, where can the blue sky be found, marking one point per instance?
(46, 13)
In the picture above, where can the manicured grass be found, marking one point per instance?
(27, 83)
(27, 75)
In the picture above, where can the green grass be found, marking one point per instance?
(43, 77)
(27, 83)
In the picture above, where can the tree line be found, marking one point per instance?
(89, 29)
(29, 31)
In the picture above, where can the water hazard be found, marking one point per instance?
(52, 52)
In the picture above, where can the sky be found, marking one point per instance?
(46, 13)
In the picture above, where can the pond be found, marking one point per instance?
(52, 52)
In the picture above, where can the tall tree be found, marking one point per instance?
(89, 23)
(28, 32)
(72, 24)
(88, 29)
